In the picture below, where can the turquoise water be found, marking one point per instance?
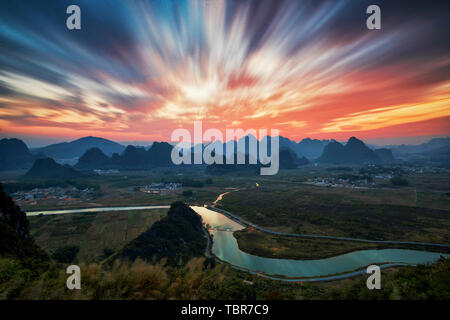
(225, 247)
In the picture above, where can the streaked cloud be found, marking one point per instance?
(138, 70)
(389, 116)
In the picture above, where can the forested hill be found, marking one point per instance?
(47, 168)
(178, 237)
(15, 240)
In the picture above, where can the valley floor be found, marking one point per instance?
(418, 212)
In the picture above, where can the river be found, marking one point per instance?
(103, 209)
(225, 247)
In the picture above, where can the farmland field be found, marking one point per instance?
(92, 232)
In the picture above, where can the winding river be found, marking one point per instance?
(225, 247)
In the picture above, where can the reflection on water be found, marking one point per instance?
(217, 220)
(225, 247)
(220, 197)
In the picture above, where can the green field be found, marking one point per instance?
(377, 214)
(92, 232)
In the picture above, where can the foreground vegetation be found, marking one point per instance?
(141, 280)
(423, 282)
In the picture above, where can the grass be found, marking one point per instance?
(92, 232)
(435, 200)
(364, 214)
(141, 280)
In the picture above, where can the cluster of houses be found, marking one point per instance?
(57, 193)
(161, 187)
(427, 169)
(106, 172)
(341, 182)
(402, 169)
(383, 176)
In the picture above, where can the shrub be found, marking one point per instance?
(66, 254)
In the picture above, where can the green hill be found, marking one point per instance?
(14, 154)
(178, 237)
(47, 168)
(93, 158)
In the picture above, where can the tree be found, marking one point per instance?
(66, 254)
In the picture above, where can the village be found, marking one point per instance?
(57, 193)
(335, 182)
(160, 187)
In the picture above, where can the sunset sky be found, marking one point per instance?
(137, 70)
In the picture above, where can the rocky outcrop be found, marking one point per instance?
(11, 215)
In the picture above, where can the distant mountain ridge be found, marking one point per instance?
(384, 154)
(159, 155)
(312, 148)
(431, 145)
(354, 152)
(14, 154)
(76, 148)
(308, 148)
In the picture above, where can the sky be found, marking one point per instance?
(137, 70)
